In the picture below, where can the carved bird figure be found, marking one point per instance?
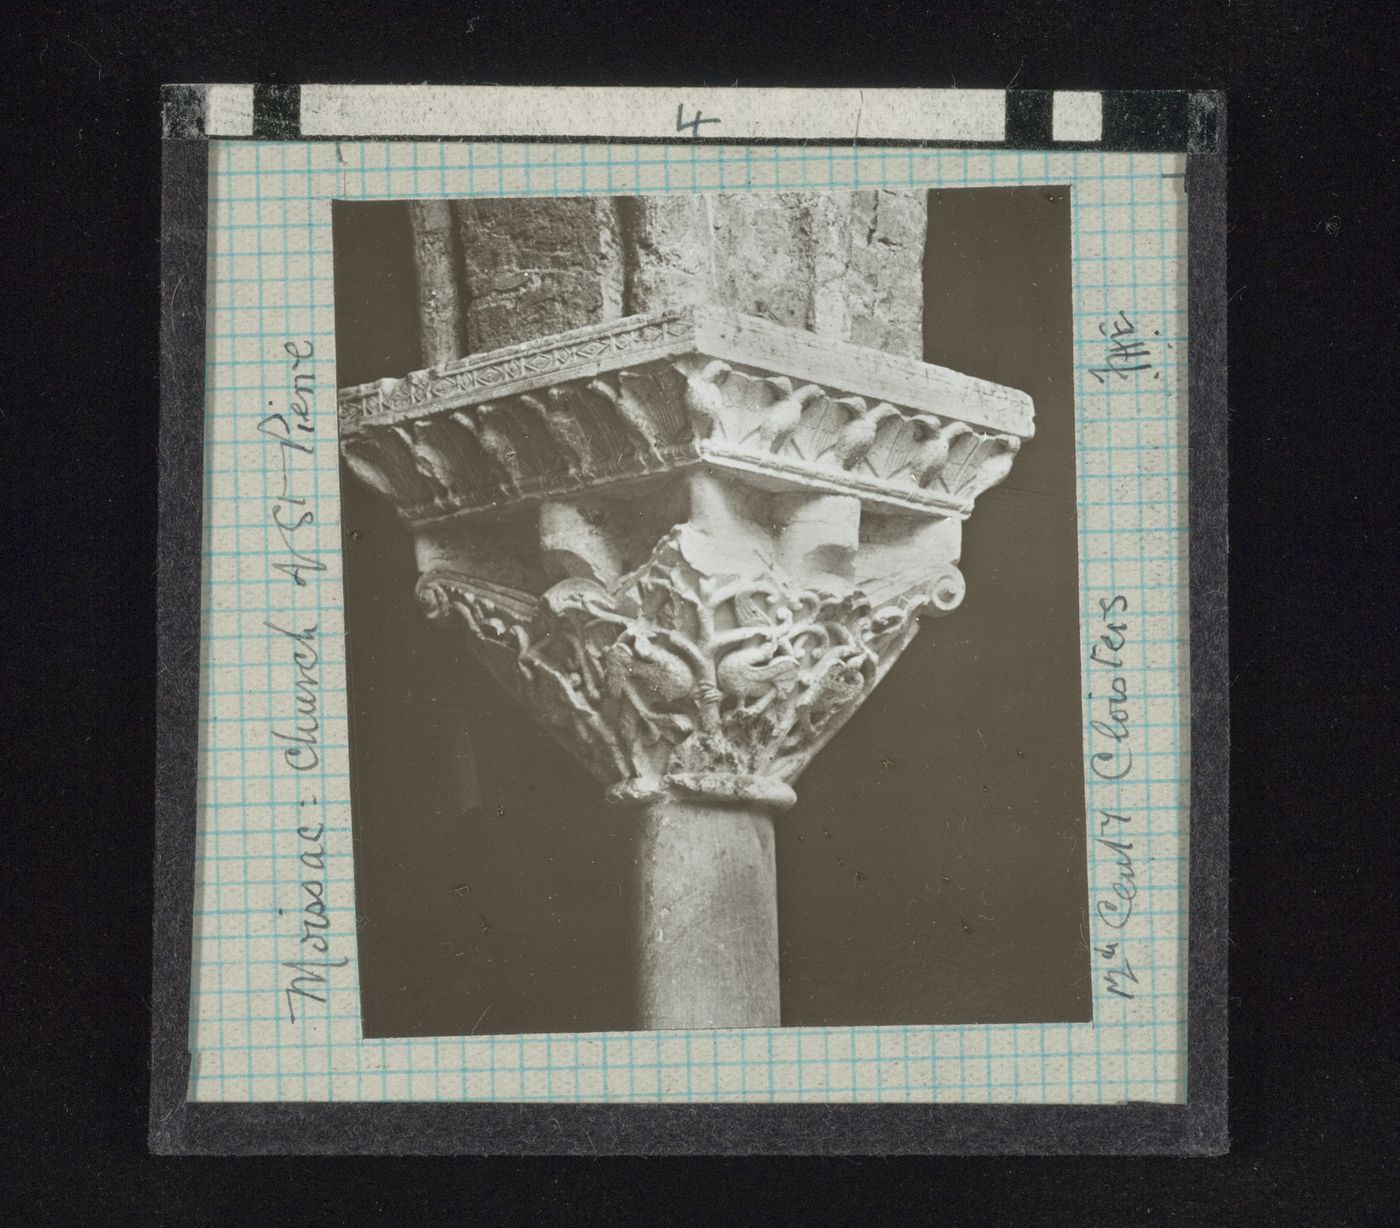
(757, 672)
(931, 453)
(858, 435)
(840, 682)
(578, 594)
(558, 428)
(428, 462)
(639, 663)
(497, 444)
(784, 416)
(704, 402)
(486, 465)
(569, 429)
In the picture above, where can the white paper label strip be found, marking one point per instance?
(733, 114)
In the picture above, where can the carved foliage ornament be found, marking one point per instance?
(648, 396)
(750, 519)
(677, 680)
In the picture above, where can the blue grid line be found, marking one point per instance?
(270, 274)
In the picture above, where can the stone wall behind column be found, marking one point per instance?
(535, 267)
(847, 264)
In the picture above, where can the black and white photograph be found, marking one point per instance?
(712, 607)
(652, 615)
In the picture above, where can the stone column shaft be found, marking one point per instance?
(707, 917)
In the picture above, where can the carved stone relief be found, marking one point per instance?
(690, 543)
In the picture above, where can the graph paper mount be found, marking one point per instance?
(180, 1126)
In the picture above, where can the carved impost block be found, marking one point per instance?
(691, 544)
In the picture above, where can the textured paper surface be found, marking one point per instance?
(634, 113)
(270, 285)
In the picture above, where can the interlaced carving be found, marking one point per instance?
(578, 435)
(751, 519)
(469, 379)
(673, 679)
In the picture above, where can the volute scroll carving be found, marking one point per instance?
(677, 679)
(691, 545)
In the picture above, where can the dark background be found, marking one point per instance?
(933, 869)
(1313, 621)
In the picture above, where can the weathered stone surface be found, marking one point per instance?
(691, 568)
(707, 919)
(668, 251)
(763, 257)
(439, 299)
(868, 268)
(848, 265)
(536, 267)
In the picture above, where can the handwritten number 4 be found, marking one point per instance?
(693, 124)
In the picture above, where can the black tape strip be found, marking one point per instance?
(1029, 119)
(184, 260)
(183, 111)
(276, 112)
(1208, 920)
(1145, 121)
(1204, 117)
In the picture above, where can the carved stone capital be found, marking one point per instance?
(693, 674)
(691, 544)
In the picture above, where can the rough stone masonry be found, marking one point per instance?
(848, 265)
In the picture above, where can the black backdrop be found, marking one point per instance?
(1312, 601)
